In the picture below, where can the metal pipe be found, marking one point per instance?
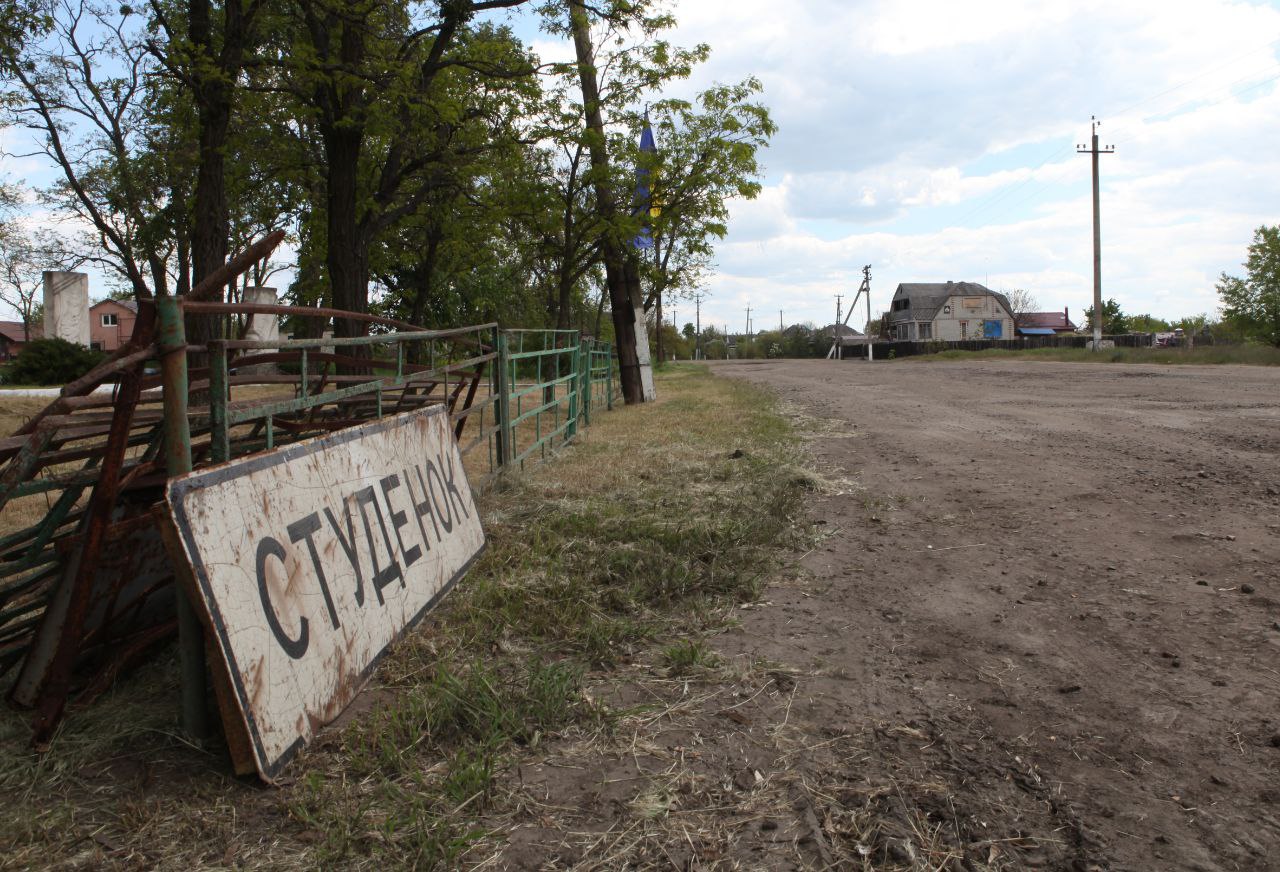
(177, 457)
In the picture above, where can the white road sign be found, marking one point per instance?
(311, 559)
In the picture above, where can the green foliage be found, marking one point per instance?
(688, 655)
(1114, 321)
(1147, 324)
(51, 362)
(1252, 304)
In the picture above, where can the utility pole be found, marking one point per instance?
(835, 331)
(748, 320)
(866, 283)
(780, 327)
(1097, 232)
(697, 327)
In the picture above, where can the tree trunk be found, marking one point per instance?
(347, 254)
(615, 258)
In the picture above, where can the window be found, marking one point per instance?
(964, 329)
(110, 319)
(899, 305)
(926, 331)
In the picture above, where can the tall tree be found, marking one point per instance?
(1253, 303)
(81, 75)
(373, 81)
(707, 155)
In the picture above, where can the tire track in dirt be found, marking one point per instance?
(1049, 602)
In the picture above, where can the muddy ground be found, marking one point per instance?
(1040, 632)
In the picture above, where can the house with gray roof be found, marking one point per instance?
(949, 312)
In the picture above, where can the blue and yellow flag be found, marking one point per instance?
(644, 203)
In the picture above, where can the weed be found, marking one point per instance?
(649, 526)
(688, 655)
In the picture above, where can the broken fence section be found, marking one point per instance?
(88, 589)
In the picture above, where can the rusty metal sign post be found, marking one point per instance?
(310, 560)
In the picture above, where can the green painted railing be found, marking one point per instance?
(528, 392)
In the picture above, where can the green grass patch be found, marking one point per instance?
(1251, 355)
(629, 545)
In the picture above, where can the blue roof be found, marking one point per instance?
(1036, 331)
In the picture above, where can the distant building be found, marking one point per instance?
(1045, 323)
(111, 323)
(848, 335)
(948, 311)
(12, 338)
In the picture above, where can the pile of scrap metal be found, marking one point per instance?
(89, 589)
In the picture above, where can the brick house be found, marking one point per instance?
(1045, 323)
(111, 323)
(12, 338)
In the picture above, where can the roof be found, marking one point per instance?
(131, 305)
(927, 298)
(843, 330)
(1052, 320)
(1036, 331)
(12, 331)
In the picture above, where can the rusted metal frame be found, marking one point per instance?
(81, 478)
(21, 467)
(39, 573)
(127, 652)
(54, 518)
(292, 356)
(474, 408)
(284, 407)
(113, 608)
(219, 397)
(36, 556)
(96, 376)
(10, 634)
(82, 565)
(215, 281)
(14, 542)
(101, 419)
(68, 455)
(193, 307)
(45, 530)
(178, 461)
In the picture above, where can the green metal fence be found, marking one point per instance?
(88, 576)
(519, 394)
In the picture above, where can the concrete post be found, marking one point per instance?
(262, 328)
(66, 306)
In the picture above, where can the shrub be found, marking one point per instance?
(51, 362)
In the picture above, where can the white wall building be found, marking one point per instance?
(949, 311)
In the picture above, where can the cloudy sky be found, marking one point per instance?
(936, 140)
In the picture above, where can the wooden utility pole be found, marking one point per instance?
(697, 328)
(748, 333)
(1097, 232)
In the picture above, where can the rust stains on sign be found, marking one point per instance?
(310, 560)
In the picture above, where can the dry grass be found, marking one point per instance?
(639, 534)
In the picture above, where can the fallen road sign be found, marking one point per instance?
(310, 560)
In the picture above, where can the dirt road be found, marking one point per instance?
(1053, 590)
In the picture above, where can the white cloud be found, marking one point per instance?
(935, 141)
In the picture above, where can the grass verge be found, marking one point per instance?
(1252, 355)
(635, 539)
